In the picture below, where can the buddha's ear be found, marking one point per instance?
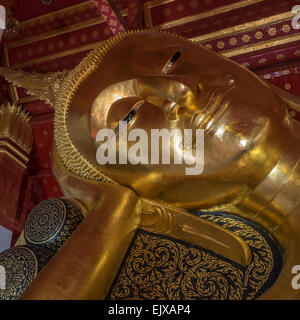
(290, 100)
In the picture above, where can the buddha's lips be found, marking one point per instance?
(216, 103)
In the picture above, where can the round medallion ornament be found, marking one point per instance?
(20, 265)
(52, 222)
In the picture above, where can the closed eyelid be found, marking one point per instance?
(168, 66)
(131, 114)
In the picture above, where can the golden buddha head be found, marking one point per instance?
(156, 80)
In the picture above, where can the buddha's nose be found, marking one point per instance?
(168, 94)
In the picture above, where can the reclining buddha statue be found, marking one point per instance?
(152, 231)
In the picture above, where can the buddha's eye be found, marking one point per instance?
(168, 66)
(129, 116)
(175, 57)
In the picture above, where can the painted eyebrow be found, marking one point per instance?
(167, 67)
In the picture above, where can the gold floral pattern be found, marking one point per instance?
(258, 272)
(180, 7)
(263, 60)
(220, 44)
(287, 86)
(159, 268)
(259, 35)
(233, 41)
(194, 4)
(163, 268)
(246, 38)
(286, 28)
(280, 56)
(272, 31)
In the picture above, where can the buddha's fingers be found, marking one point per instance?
(178, 224)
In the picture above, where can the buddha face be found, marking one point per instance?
(159, 81)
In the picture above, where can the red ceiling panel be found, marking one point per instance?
(64, 63)
(43, 133)
(270, 57)
(45, 186)
(266, 33)
(60, 39)
(178, 9)
(228, 13)
(58, 44)
(37, 108)
(57, 20)
(33, 8)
